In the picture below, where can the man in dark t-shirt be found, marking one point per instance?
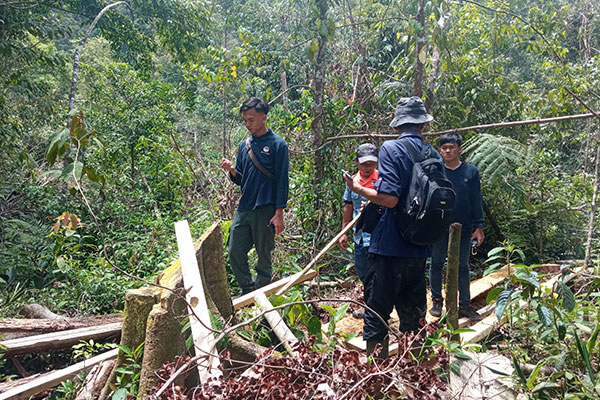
(469, 212)
(259, 214)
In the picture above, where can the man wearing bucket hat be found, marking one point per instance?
(366, 161)
(397, 266)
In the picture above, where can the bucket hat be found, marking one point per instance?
(410, 110)
(366, 152)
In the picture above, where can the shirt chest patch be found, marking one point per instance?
(265, 150)
(466, 180)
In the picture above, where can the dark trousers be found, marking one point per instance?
(247, 229)
(396, 282)
(438, 260)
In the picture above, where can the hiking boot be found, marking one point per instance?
(469, 312)
(359, 314)
(436, 309)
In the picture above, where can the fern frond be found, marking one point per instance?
(497, 158)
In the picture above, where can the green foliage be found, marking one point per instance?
(89, 349)
(129, 378)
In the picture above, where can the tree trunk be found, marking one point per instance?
(318, 110)
(433, 71)
(78, 50)
(590, 231)
(419, 75)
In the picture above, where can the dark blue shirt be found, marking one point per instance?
(395, 170)
(468, 210)
(271, 152)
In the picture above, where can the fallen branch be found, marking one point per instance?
(472, 128)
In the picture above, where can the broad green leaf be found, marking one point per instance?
(78, 169)
(120, 394)
(330, 310)
(341, 312)
(562, 331)
(495, 250)
(314, 326)
(544, 314)
(524, 279)
(568, 298)
(492, 294)
(502, 302)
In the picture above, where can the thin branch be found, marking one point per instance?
(475, 127)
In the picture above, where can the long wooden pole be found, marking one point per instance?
(452, 276)
(473, 128)
(297, 278)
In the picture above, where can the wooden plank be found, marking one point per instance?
(313, 262)
(60, 340)
(247, 299)
(204, 341)
(48, 381)
(281, 330)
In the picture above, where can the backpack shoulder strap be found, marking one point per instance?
(414, 154)
(255, 161)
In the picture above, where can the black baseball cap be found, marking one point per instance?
(366, 152)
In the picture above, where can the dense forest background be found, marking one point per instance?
(119, 117)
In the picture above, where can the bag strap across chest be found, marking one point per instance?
(255, 161)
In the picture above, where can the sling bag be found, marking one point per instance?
(255, 161)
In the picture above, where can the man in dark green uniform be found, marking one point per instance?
(264, 183)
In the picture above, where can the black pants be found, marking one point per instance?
(395, 282)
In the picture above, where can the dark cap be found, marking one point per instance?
(410, 110)
(366, 152)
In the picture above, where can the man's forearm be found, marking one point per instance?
(382, 199)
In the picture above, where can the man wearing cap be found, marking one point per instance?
(366, 162)
(398, 267)
(469, 212)
(261, 169)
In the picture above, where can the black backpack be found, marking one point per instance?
(423, 213)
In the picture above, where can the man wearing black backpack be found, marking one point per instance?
(397, 265)
(469, 212)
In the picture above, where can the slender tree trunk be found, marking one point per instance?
(419, 75)
(590, 233)
(284, 90)
(224, 98)
(78, 50)
(433, 71)
(318, 111)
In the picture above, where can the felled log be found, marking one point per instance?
(35, 384)
(13, 328)
(59, 340)
(38, 311)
